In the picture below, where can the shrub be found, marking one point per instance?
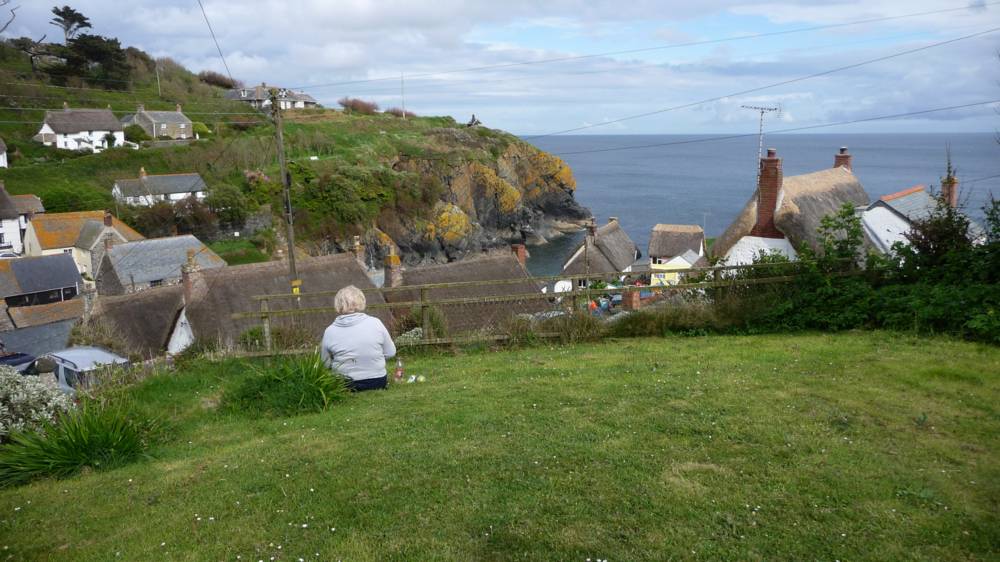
(576, 327)
(200, 129)
(99, 434)
(354, 105)
(26, 402)
(135, 133)
(397, 112)
(286, 387)
(213, 78)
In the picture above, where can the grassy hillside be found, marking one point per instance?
(863, 446)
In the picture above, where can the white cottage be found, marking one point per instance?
(147, 190)
(81, 129)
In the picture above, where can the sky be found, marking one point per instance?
(374, 49)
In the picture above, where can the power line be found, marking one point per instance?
(212, 31)
(790, 130)
(648, 49)
(129, 110)
(769, 86)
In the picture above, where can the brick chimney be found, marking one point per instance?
(178, 108)
(612, 219)
(767, 196)
(393, 271)
(192, 279)
(842, 159)
(631, 300)
(521, 252)
(142, 173)
(109, 241)
(108, 219)
(65, 106)
(949, 191)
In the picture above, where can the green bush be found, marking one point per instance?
(200, 129)
(288, 387)
(97, 434)
(26, 403)
(135, 133)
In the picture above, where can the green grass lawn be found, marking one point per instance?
(860, 446)
(238, 252)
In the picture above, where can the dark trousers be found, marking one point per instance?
(367, 384)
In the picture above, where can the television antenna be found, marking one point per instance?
(763, 110)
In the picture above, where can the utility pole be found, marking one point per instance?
(286, 180)
(159, 93)
(402, 93)
(762, 109)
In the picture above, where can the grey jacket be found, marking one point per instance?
(356, 346)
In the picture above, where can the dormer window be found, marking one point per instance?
(243, 93)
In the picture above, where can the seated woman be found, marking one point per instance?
(356, 345)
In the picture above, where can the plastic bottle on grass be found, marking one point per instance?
(399, 370)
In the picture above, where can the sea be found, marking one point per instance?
(688, 180)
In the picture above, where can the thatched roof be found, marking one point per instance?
(669, 240)
(143, 320)
(77, 120)
(462, 318)
(612, 251)
(219, 293)
(8, 208)
(804, 201)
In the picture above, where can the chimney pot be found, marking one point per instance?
(612, 219)
(65, 106)
(178, 108)
(772, 153)
(842, 159)
(108, 219)
(949, 191)
(142, 172)
(521, 252)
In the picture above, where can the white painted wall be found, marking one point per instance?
(3, 159)
(747, 248)
(181, 337)
(10, 236)
(90, 140)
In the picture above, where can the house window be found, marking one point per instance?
(183, 125)
(156, 283)
(2, 239)
(582, 283)
(68, 251)
(163, 126)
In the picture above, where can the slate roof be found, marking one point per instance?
(501, 265)
(39, 340)
(28, 316)
(76, 120)
(65, 230)
(613, 251)
(262, 92)
(144, 320)
(159, 258)
(803, 202)
(669, 240)
(22, 276)
(913, 203)
(170, 117)
(8, 208)
(28, 204)
(162, 184)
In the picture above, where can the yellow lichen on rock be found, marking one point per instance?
(451, 223)
(549, 166)
(507, 196)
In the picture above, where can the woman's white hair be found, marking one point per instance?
(349, 300)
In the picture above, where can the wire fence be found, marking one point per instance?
(509, 308)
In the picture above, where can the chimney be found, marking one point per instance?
(842, 159)
(358, 249)
(521, 251)
(591, 229)
(393, 271)
(142, 173)
(89, 296)
(109, 240)
(140, 108)
(178, 108)
(949, 191)
(612, 219)
(767, 196)
(631, 300)
(65, 106)
(191, 278)
(108, 219)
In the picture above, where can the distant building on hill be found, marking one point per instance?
(674, 247)
(81, 129)
(259, 97)
(159, 124)
(607, 249)
(84, 235)
(785, 213)
(147, 190)
(131, 267)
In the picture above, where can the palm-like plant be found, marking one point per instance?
(70, 21)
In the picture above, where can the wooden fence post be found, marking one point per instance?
(425, 314)
(266, 318)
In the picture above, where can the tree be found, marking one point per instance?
(13, 15)
(30, 47)
(229, 204)
(70, 21)
(93, 56)
(135, 133)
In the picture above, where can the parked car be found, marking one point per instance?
(72, 367)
